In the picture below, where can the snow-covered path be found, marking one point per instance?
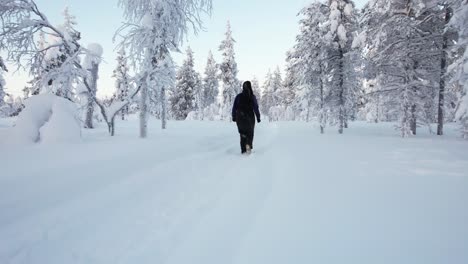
(187, 196)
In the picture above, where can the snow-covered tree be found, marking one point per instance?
(290, 81)
(342, 28)
(64, 57)
(405, 51)
(210, 82)
(35, 85)
(445, 37)
(2, 84)
(256, 88)
(277, 88)
(22, 27)
(369, 22)
(307, 65)
(13, 105)
(272, 95)
(228, 67)
(154, 29)
(122, 80)
(165, 69)
(460, 66)
(267, 94)
(91, 64)
(184, 98)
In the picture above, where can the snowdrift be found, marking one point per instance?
(46, 119)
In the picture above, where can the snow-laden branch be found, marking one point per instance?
(109, 113)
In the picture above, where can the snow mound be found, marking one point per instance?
(63, 125)
(46, 118)
(193, 115)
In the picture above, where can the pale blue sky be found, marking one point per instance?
(264, 31)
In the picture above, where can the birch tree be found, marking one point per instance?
(91, 64)
(460, 66)
(22, 25)
(154, 29)
(3, 69)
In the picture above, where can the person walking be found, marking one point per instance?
(244, 112)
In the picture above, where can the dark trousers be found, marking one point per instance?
(246, 129)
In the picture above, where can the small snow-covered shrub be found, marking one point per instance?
(46, 118)
(63, 124)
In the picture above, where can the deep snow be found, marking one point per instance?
(46, 118)
(186, 195)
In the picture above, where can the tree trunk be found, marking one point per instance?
(163, 109)
(89, 113)
(443, 71)
(413, 120)
(124, 112)
(377, 111)
(112, 126)
(322, 103)
(341, 116)
(91, 95)
(144, 109)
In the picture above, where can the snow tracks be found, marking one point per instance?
(188, 196)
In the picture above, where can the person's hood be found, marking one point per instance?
(246, 91)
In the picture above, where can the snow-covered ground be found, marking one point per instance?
(187, 196)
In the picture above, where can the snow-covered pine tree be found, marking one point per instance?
(267, 94)
(199, 97)
(184, 97)
(289, 87)
(228, 67)
(91, 63)
(64, 57)
(369, 21)
(460, 65)
(443, 13)
(210, 82)
(290, 81)
(433, 17)
(256, 88)
(3, 68)
(153, 30)
(299, 99)
(122, 80)
(307, 61)
(342, 28)
(404, 52)
(280, 93)
(276, 110)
